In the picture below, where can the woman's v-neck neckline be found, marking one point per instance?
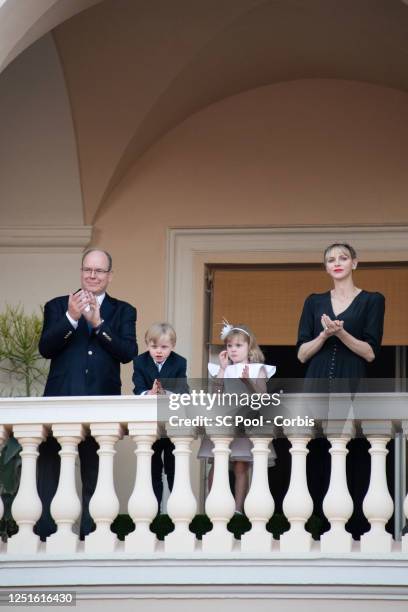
(346, 309)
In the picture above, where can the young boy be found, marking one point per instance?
(158, 363)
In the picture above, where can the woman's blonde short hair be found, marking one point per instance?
(343, 246)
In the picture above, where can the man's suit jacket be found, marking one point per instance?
(173, 373)
(84, 362)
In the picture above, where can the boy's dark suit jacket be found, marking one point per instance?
(173, 378)
(173, 373)
(83, 362)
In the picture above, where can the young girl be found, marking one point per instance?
(241, 359)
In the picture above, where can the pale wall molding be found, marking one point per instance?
(321, 576)
(39, 239)
(292, 244)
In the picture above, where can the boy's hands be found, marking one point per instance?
(160, 390)
(156, 389)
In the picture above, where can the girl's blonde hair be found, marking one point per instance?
(255, 355)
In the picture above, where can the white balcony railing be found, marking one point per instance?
(109, 418)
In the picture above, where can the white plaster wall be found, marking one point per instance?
(40, 191)
(32, 279)
(39, 176)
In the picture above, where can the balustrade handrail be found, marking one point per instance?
(378, 415)
(123, 408)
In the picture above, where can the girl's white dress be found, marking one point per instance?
(241, 445)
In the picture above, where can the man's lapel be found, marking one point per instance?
(108, 307)
(83, 326)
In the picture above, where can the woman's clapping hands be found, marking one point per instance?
(330, 328)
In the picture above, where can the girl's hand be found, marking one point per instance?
(223, 358)
(245, 372)
(257, 385)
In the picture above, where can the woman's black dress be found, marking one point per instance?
(335, 368)
(363, 319)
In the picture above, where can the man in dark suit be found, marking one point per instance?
(87, 335)
(156, 371)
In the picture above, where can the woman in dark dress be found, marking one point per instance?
(340, 331)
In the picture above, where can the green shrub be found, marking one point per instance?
(20, 361)
(23, 374)
(201, 524)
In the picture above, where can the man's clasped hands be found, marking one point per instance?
(84, 303)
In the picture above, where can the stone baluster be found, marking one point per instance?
(378, 505)
(298, 504)
(259, 504)
(27, 508)
(142, 505)
(181, 505)
(3, 438)
(66, 505)
(220, 503)
(404, 539)
(338, 504)
(104, 504)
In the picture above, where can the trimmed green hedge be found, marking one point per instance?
(162, 525)
(239, 524)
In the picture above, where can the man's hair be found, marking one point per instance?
(157, 330)
(108, 255)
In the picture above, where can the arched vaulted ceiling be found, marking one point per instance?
(137, 68)
(22, 23)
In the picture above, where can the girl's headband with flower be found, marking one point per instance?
(228, 328)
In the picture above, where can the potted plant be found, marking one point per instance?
(23, 373)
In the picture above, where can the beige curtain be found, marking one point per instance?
(270, 300)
